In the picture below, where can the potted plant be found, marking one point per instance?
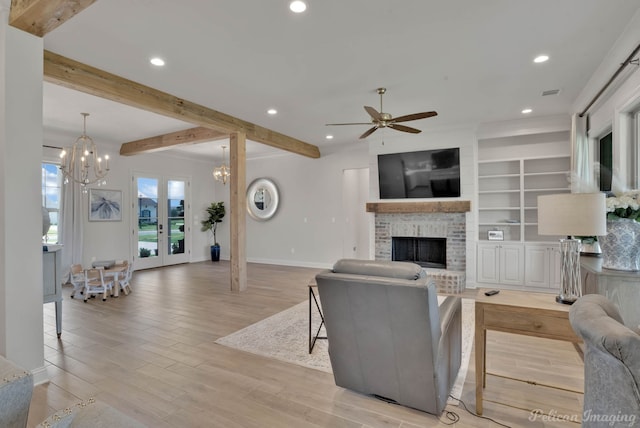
(215, 214)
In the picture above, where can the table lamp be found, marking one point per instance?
(571, 214)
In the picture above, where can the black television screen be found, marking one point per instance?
(422, 174)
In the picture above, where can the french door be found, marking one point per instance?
(161, 236)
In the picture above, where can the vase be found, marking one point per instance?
(621, 245)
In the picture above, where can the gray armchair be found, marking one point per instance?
(611, 363)
(387, 335)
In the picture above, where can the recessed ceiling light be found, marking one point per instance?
(541, 58)
(329, 137)
(272, 111)
(158, 62)
(297, 6)
(526, 111)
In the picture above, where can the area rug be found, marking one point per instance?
(284, 336)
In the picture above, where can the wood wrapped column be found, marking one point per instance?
(238, 185)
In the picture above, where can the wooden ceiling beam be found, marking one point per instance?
(39, 17)
(168, 141)
(84, 78)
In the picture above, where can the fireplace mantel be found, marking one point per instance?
(419, 207)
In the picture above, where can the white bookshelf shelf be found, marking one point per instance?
(508, 191)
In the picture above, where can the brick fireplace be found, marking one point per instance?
(445, 220)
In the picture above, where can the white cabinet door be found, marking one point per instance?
(488, 263)
(537, 263)
(500, 264)
(511, 264)
(554, 267)
(542, 266)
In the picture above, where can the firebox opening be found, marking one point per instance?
(427, 252)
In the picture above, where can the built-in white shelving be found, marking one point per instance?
(508, 193)
(512, 172)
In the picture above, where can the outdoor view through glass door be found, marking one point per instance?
(161, 235)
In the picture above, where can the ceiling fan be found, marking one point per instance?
(385, 120)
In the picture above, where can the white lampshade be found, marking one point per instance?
(572, 214)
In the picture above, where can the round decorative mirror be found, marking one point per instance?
(262, 199)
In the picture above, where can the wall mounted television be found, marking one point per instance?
(420, 174)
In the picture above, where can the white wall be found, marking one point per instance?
(355, 195)
(307, 228)
(523, 146)
(21, 334)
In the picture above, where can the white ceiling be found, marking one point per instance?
(469, 60)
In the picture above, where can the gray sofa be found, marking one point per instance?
(16, 387)
(611, 363)
(387, 335)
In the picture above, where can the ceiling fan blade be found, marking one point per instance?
(373, 113)
(340, 124)
(415, 116)
(369, 132)
(403, 128)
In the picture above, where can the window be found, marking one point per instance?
(606, 162)
(52, 198)
(635, 135)
(629, 128)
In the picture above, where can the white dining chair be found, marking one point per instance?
(125, 282)
(76, 278)
(95, 283)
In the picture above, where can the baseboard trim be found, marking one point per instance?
(293, 263)
(40, 375)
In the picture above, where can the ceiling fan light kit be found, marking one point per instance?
(380, 119)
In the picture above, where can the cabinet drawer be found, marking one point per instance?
(521, 321)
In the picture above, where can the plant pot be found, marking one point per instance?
(215, 253)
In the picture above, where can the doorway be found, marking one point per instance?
(355, 192)
(161, 236)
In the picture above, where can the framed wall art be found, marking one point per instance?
(105, 205)
(495, 235)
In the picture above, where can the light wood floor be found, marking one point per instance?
(152, 355)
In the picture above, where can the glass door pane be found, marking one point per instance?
(148, 230)
(176, 236)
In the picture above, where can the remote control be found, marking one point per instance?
(491, 293)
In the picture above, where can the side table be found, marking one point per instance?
(313, 298)
(517, 312)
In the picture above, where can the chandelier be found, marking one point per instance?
(81, 164)
(222, 172)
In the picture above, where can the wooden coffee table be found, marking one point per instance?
(517, 312)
